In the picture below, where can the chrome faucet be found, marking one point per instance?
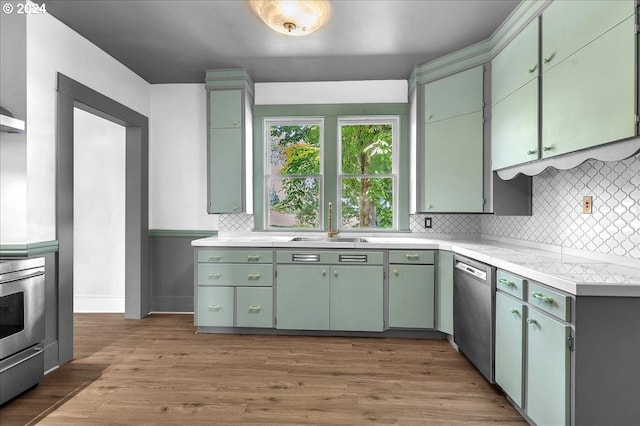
(331, 232)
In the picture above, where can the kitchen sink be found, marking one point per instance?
(332, 239)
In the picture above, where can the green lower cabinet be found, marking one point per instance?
(509, 347)
(215, 307)
(254, 307)
(302, 297)
(548, 370)
(356, 298)
(411, 296)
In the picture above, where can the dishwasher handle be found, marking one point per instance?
(477, 273)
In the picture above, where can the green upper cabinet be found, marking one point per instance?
(589, 83)
(225, 109)
(453, 144)
(516, 64)
(514, 97)
(229, 121)
(454, 96)
(568, 26)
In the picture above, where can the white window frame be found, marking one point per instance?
(267, 175)
(394, 120)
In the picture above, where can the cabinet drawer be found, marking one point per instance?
(215, 307)
(239, 256)
(510, 283)
(254, 307)
(235, 274)
(550, 301)
(422, 257)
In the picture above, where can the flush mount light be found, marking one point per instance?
(293, 17)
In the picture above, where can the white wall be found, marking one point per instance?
(53, 47)
(98, 214)
(13, 189)
(332, 92)
(178, 158)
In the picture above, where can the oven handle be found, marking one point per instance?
(35, 352)
(37, 273)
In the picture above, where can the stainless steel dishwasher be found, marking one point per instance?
(473, 312)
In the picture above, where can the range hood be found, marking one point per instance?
(9, 124)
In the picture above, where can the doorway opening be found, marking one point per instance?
(73, 95)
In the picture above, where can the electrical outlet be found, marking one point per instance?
(587, 204)
(427, 222)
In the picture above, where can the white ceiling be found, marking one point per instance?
(175, 41)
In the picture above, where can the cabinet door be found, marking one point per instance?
(302, 297)
(225, 109)
(454, 165)
(454, 96)
(215, 307)
(590, 98)
(254, 307)
(514, 128)
(411, 296)
(226, 172)
(509, 346)
(567, 26)
(356, 298)
(548, 370)
(516, 64)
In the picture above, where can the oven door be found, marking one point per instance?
(21, 313)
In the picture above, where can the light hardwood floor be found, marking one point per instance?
(158, 371)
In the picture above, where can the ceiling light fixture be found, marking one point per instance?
(293, 17)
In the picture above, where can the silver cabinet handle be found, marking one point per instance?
(546, 299)
(215, 276)
(213, 258)
(324, 272)
(515, 312)
(214, 307)
(253, 257)
(412, 256)
(255, 308)
(532, 70)
(531, 152)
(507, 282)
(335, 274)
(532, 321)
(547, 148)
(253, 276)
(396, 272)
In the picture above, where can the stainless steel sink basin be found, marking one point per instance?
(332, 239)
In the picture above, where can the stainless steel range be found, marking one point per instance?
(22, 328)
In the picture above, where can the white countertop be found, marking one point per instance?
(582, 276)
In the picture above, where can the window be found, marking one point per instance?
(293, 173)
(368, 170)
(359, 165)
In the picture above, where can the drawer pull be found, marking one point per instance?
(254, 308)
(507, 282)
(412, 256)
(215, 276)
(214, 307)
(396, 272)
(253, 276)
(253, 257)
(540, 296)
(213, 258)
(532, 321)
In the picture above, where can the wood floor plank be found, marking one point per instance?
(159, 371)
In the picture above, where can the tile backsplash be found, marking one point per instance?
(613, 227)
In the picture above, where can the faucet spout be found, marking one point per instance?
(331, 232)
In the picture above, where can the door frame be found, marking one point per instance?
(72, 94)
